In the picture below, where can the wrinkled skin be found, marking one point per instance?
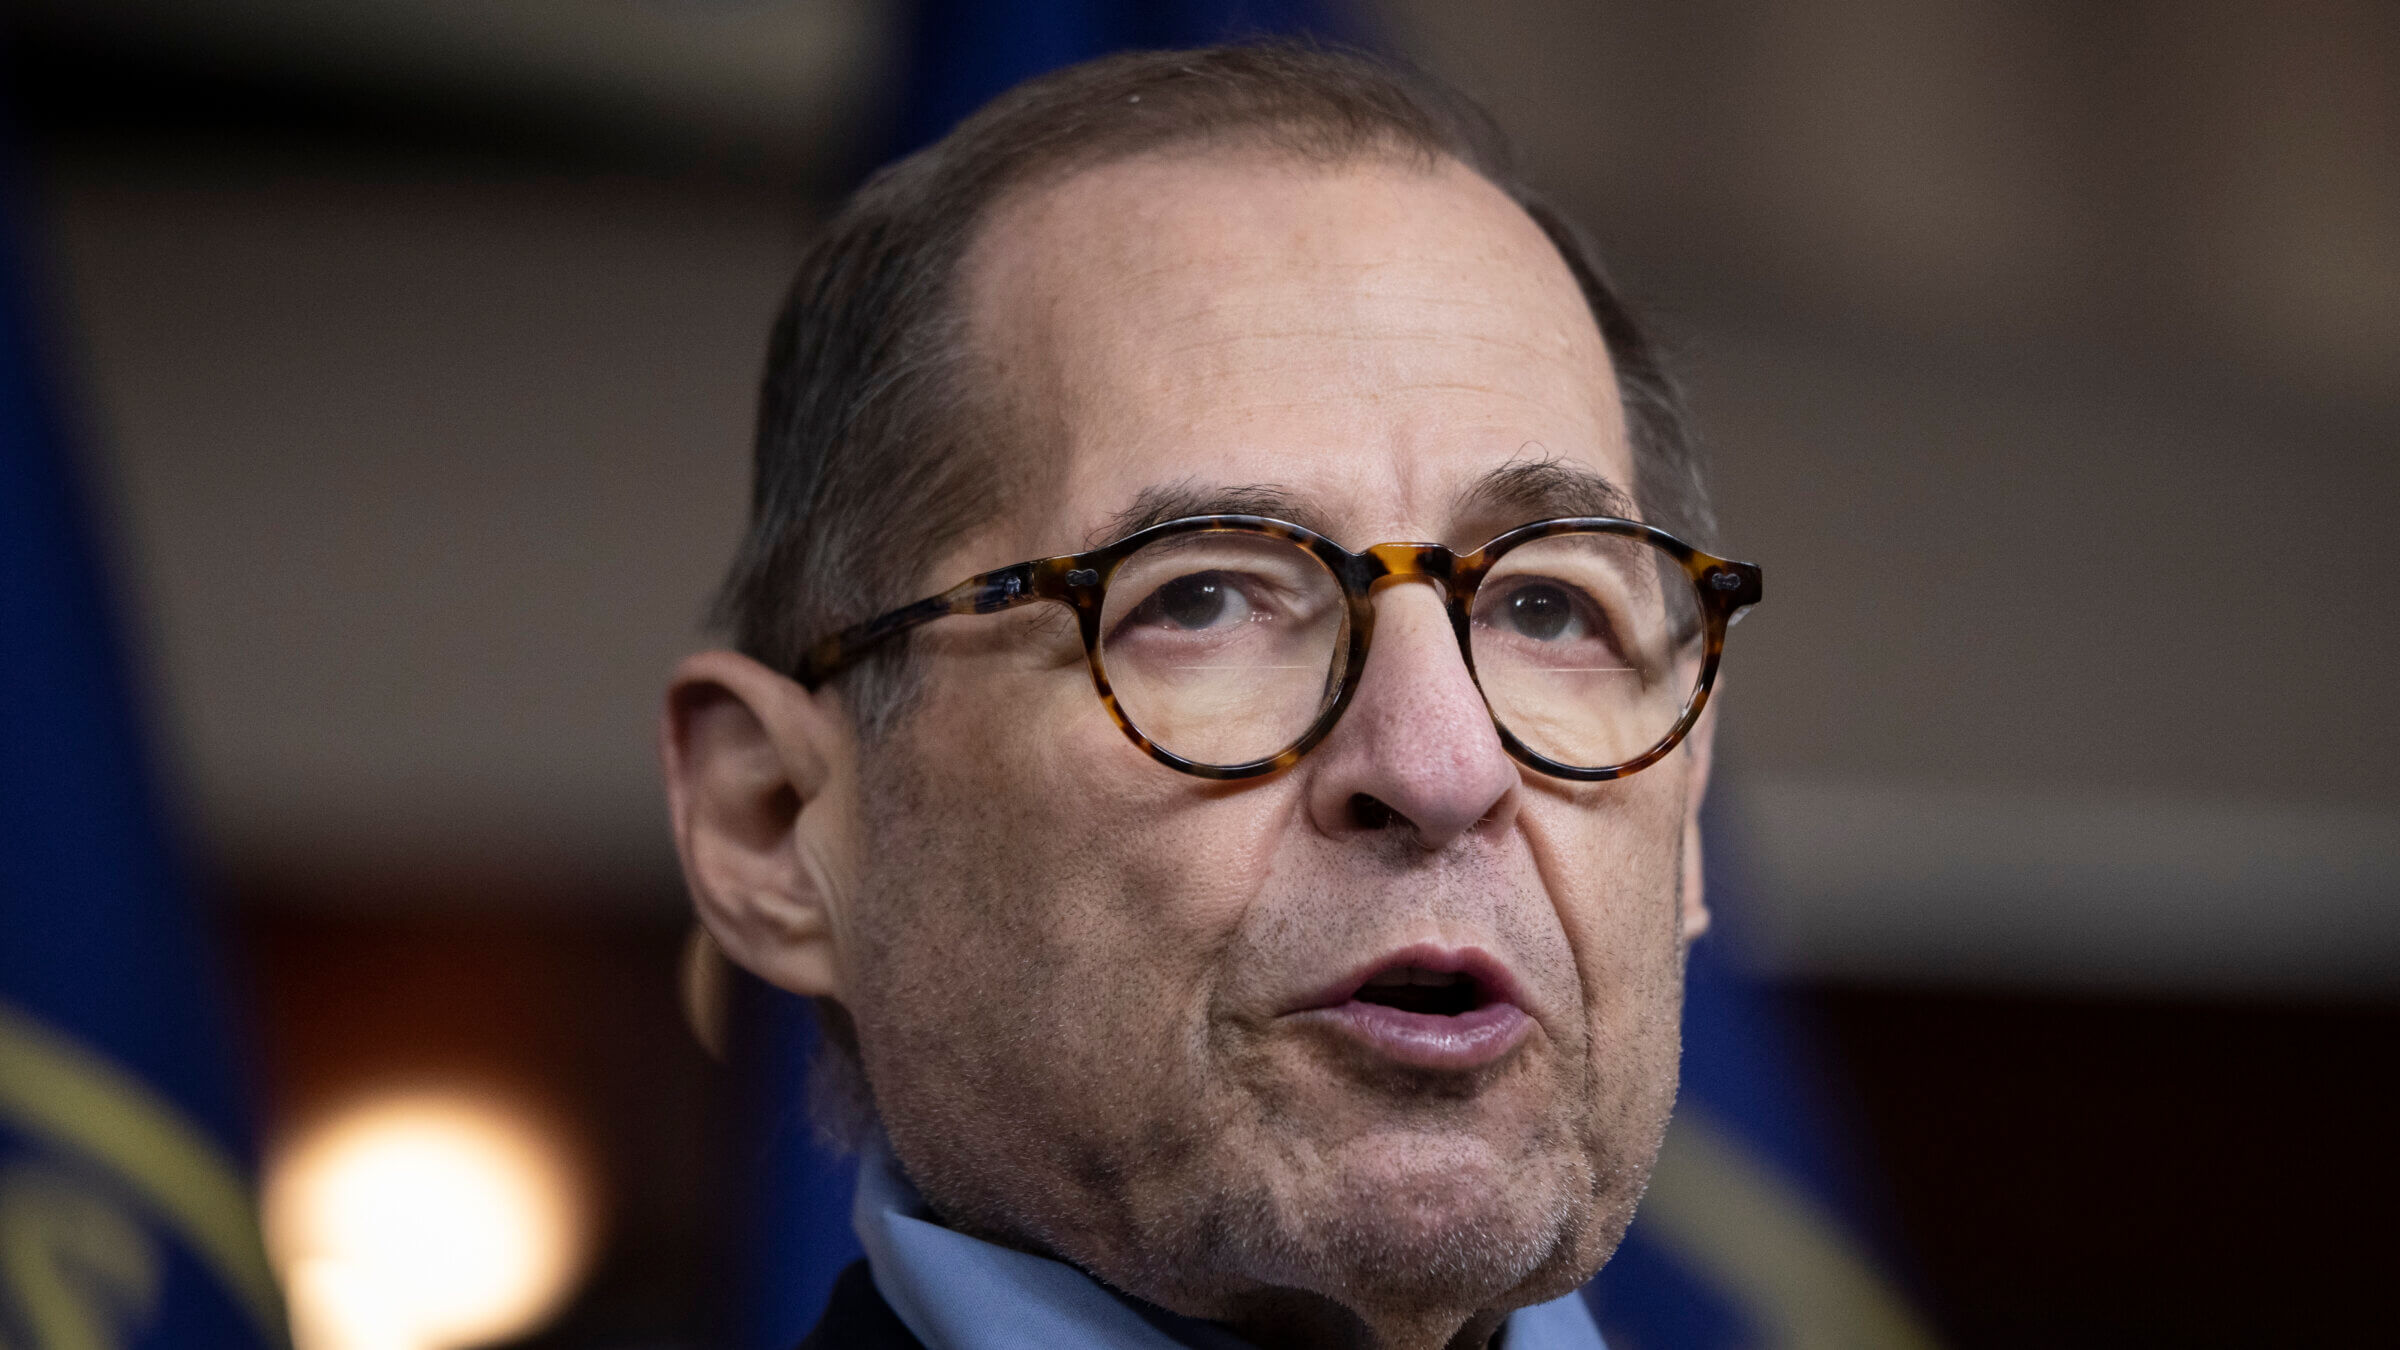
(1070, 968)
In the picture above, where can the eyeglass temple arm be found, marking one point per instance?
(983, 593)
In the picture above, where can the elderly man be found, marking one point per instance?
(1230, 926)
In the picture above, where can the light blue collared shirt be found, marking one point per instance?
(961, 1293)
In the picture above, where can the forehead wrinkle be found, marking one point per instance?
(1422, 284)
(1295, 295)
(1433, 337)
(1428, 352)
(1280, 264)
(1265, 330)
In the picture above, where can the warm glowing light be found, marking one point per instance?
(423, 1222)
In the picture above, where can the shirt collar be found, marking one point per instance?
(961, 1293)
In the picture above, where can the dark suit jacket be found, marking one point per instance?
(857, 1318)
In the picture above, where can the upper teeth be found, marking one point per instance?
(1413, 975)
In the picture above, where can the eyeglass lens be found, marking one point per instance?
(1587, 646)
(1224, 646)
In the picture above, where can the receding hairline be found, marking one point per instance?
(1230, 147)
(1259, 148)
(1295, 139)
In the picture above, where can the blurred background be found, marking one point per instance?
(2048, 355)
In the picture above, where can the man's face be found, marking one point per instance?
(1091, 992)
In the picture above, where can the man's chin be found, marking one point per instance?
(1407, 1218)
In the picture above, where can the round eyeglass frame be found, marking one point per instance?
(1080, 580)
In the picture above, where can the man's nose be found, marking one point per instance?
(1416, 749)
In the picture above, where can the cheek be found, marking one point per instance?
(1611, 855)
(1042, 897)
(1046, 913)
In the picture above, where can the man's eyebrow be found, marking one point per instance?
(1516, 492)
(1540, 489)
(1162, 502)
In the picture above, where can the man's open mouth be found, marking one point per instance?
(1427, 1007)
(1436, 993)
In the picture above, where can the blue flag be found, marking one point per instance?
(126, 1217)
(1749, 1235)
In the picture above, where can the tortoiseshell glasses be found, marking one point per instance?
(1227, 646)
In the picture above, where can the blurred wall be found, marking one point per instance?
(425, 483)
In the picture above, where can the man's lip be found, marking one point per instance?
(1491, 976)
(1443, 1044)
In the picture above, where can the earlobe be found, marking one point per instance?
(758, 774)
(1692, 920)
(1700, 745)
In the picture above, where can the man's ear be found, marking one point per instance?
(760, 776)
(1700, 745)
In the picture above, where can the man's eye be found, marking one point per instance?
(1543, 612)
(1201, 600)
